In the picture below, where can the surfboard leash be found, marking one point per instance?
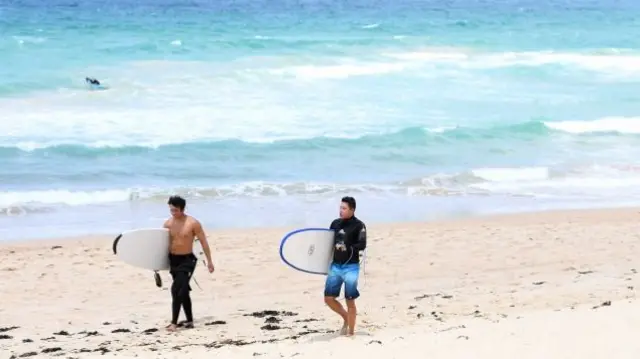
(194, 275)
(196, 282)
(364, 267)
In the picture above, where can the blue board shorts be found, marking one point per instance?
(339, 274)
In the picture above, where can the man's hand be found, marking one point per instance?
(210, 267)
(341, 247)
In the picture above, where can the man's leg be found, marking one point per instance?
(331, 292)
(178, 288)
(173, 324)
(186, 304)
(351, 293)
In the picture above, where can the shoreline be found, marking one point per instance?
(453, 287)
(471, 218)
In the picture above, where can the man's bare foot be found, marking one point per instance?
(172, 327)
(343, 330)
(188, 325)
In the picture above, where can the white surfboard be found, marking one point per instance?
(308, 250)
(147, 248)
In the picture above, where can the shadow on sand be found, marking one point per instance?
(331, 336)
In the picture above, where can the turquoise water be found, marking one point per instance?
(265, 113)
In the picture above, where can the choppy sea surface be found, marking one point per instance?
(265, 113)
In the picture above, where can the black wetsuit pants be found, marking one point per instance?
(182, 267)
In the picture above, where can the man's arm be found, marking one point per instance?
(361, 244)
(167, 225)
(334, 224)
(202, 237)
(334, 227)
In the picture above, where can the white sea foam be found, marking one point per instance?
(340, 71)
(622, 125)
(144, 130)
(613, 62)
(155, 103)
(152, 103)
(593, 181)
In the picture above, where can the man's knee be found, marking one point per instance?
(175, 291)
(328, 300)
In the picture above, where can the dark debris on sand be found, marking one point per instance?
(424, 296)
(228, 342)
(4, 336)
(52, 350)
(216, 322)
(103, 349)
(240, 342)
(270, 317)
(25, 355)
(270, 313)
(307, 332)
(6, 329)
(604, 304)
(452, 328)
(270, 327)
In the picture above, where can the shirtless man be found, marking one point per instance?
(183, 230)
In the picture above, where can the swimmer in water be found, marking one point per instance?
(92, 81)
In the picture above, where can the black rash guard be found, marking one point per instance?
(353, 234)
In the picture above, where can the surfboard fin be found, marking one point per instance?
(158, 279)
(115, 244)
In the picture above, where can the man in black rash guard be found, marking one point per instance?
(349, 239)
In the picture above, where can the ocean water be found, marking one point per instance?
(265, 113)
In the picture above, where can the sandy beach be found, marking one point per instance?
(536, 285)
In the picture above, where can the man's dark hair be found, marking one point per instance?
(350, 201)
(177, 202)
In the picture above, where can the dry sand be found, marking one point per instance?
(538, 285)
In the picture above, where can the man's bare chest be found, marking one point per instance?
(179, 231)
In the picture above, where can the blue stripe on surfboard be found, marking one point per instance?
(286, 237)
